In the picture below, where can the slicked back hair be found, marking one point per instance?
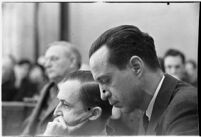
(90, 92)
(124, 42)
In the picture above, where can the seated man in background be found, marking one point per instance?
(22, 83)
(38, 77)
(8, 79)
(191, 70)
(61, 59)
(124, 62)
(81, 110)
(174, 63)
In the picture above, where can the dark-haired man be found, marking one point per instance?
(124, 62)
(81, 110)
(174, 63)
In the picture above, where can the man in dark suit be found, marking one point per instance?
(174, 64)
(61, 58)
(124, 62)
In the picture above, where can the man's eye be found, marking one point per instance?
(66, 106)
(169, 67)
(177, 67)
(105, 81)
(53, 58)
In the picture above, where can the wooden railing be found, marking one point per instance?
(13, 116)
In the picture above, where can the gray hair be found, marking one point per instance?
(74, 52)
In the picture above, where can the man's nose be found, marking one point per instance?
(173, 71)
(105, 94)
(47, 63)
(57, 111)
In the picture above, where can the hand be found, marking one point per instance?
(57, 127)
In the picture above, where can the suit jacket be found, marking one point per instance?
(36, 123)
(175, 110)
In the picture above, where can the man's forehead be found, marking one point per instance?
(173, 60)
(57, 50)
(99, 61)
(69, 90)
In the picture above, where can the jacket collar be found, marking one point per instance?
(50, 109)
(162, 100)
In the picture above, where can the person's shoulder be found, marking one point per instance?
(185, 89)
(184, 95)
(180, 90)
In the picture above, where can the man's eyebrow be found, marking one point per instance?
(65, 102)
(99, 78)
(103, 76)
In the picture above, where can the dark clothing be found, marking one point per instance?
(42, 114)
(8, 87)
(194, 83)
(175, 110)
(26, 89)
(8, 90)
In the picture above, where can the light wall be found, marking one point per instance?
(19, 27)
(172, 26)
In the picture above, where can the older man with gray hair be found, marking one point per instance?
(61, 58)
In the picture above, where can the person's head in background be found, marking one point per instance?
(22, 68)
(81, 109)
(61, 58)
(123, 61)
(37, 73)
(191, 70)
(174, 62)
(8, 64)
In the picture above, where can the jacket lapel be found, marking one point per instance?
(32, 120)
(50, 109)
(162, 100)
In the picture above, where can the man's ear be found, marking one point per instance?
(137, 65)
(73, 61)
(96, 113)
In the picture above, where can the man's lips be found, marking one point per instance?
(113, 103)
(49, 71)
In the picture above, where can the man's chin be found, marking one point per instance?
(125, 110)
(53, 78)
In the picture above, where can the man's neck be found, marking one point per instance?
(151, 82)
(56, 80)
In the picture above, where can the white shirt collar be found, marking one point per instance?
(151, 104)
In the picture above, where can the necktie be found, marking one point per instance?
(145, 122)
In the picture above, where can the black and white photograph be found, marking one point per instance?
(99, 68)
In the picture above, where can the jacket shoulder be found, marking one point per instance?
(181, 115)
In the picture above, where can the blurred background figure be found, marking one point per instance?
(22, 83)
(41, 60)
(174, 64)
(191, 70)
(61, 58)
(38, 78)
(8, 78)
